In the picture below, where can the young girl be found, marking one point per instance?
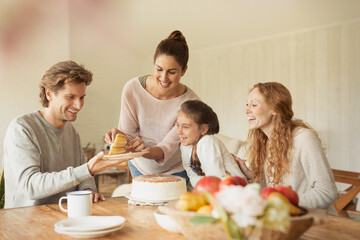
(202, 153)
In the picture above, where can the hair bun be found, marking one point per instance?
(177, 35)
(174, 45)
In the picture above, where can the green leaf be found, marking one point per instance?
(202, 220)
(234, 230)
(220, 210)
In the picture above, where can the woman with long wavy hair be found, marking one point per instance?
(284, 150)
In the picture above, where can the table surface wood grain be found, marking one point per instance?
(38, 223)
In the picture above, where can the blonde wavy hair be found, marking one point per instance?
(276, 150)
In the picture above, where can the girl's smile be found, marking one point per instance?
(188, 130)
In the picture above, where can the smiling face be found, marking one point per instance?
(188, 130)
(167, 73)
(259, 113)
(65, 104)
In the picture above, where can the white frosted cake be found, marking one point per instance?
(157, 187)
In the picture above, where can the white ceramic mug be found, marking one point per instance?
(79, 203)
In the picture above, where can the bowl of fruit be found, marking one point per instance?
(232, 209)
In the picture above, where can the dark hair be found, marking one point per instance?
(61, 73)
(201, 113)
(175, 45)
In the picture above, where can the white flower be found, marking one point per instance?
(215, 214)
(240, 200)
(255, 187)
(243, 220)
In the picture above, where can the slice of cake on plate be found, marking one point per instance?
(118, 147)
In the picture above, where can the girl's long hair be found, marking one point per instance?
(277, 149)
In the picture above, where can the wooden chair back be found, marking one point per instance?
(346, 196)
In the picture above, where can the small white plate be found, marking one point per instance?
(128, 196)
(130, 155)
(90, 234)
(89, 223)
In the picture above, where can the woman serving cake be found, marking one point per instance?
(149, 106)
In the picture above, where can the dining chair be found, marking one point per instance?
(125, 166)
(116, 172)
(349, 194)
(89, 153)
(122, 166)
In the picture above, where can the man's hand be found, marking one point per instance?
(96, 196)
(98, 164)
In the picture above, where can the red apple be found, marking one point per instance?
(240, 181)
(289, 194)
(232, 181)
(227, 182)
(207, 184)
(265, 192)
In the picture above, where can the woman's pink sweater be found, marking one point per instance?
(153, 120)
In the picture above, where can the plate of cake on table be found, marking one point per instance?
(156, 189)
(117, 150)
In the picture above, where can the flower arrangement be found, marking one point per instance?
(243, 210)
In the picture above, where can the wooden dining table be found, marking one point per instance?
(38, 223)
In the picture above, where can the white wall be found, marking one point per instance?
(98, 38)
(33, 37)
(321, 68)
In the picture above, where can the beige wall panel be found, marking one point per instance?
(321, 87)
(321, 68)
(345, 101)
(354, 106)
